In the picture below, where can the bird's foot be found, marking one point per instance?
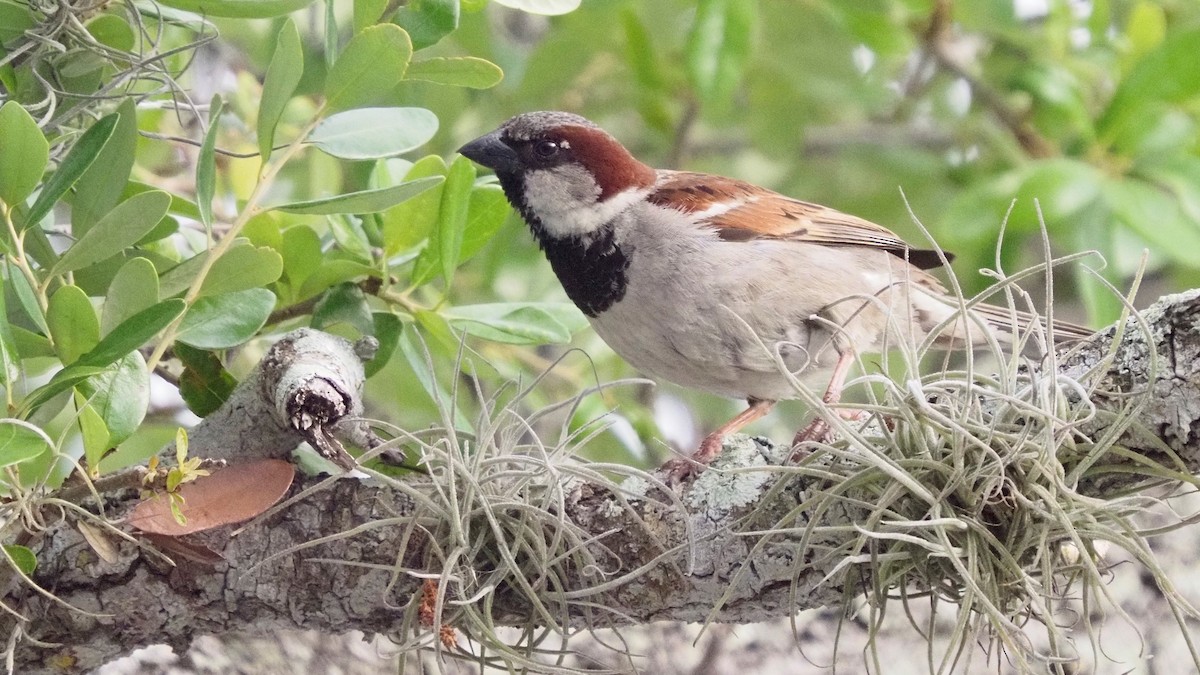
(819, 431)
(680, 469)
(677, 470)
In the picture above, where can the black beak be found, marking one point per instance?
(492, 152)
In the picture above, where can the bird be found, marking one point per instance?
(703, 280)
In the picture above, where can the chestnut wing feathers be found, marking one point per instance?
(755, 213)
(741, 211)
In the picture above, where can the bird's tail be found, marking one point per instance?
(1008, 322)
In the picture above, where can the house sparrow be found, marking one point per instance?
(696, 279)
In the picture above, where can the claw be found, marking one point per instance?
(819, 431)
(677, 470)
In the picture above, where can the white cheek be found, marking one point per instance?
(565, 198)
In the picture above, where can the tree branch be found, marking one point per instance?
(352, 554)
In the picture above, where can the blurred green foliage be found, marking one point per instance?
(177, 189)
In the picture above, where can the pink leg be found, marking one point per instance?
(710, 447)
(818, 430)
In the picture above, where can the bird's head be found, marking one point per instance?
(566, 176)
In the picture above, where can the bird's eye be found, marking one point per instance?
(546, 149)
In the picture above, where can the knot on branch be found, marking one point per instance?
(315, 380)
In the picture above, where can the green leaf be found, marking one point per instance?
(266, 229)
(518, 322)
(459, 71)
(428, 21)
(101, 186)
(1155, 215)
(10, 354)
(205, 385)
(718, 46)
(37, 244)
(73, 324)
(81, 156)
(123, 227)
(374, 133)
(652, 92)
(19, 443)
(367, 13)
(344, 303)
(134, 288)
(189, 20)
(77, 161)
(1145, 29)
(439, 329)
(8, 77)
(243, 266)
(387, 328)
(485, 216)
(301, 254)
(93, 431)
(26, 297)
(120, 396)
(1167, 73)
(415, 355)
(1063, 188)
(22, 557)
(371, 65)
(113, 31)
(1160, 131)
(30, 344)
(447, 242)
(1180, 175)
(1059, 105)
(179, 204)
(1095, 231)
(546, 7)
(1099, 20)
(639, 52)
(133, 332)
(333, 271)
(15, 19)
(24, 153)
(283, 74)
(151, 437)
(347, 231)
(410, 223)
(62, 381)
(331, 34)
(367, 201)
(227, 320)
(239, 9)
(875, 29)
(206, 164)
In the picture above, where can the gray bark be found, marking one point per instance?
(682, 556)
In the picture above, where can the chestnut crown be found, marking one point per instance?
(546, 140)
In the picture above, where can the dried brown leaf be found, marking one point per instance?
(230, 495)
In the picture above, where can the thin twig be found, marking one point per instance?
(193, 142)
(683, 130)
(937, 41)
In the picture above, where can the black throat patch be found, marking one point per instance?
(593, 271)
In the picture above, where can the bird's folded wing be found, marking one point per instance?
(741, 211)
